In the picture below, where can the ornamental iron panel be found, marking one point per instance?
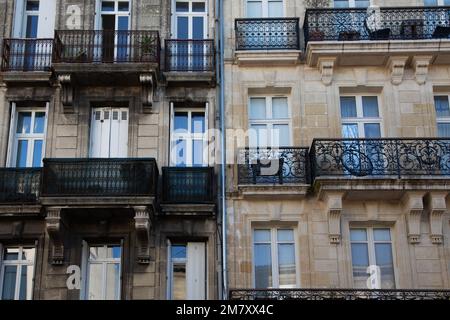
(19, 185)
(267, 34)
(190, 55)
(27, 54)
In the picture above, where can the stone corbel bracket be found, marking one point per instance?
(143, 224)
(334, 209)
(148, 90)
(326, 68)
(67, 92)
(413, 208)
(397, 66)
(436, 207)
(55, 229)
(420, 65)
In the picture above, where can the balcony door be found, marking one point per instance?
(109, 133)
(265, 9)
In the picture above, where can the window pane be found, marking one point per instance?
(95, 282)
(39, 122)
(430, 2)
(275, 9)
(112, 281)
(280, 108)
(11, 254)
(37, 153)
(285, 235)
(383, 255)
(348, 107)
(442, 106)
(182, 30)
(258, 136)
(372, 130)
(254, 9)
(197, 152)
(350, 130)
(281, 135)
(198, 122)
(22, 148)
(370, 106)
(286, 265)
(443, 130)
(26, 282)
(341, 4)
(263, 266)
(197, 28)
(31, 32)
(9, 282)
(124, 6)
(181, 121)
(32, 5)
(257, 108)
(180, 153)
(261, 235)
(358, 235)
(179, 282)
(381, 234)
(113, 252)
(97, 253)
(178, 252)
(362, 3)
(23, 122)
(198, 7)
(360, 259)
(107, 5)
(182, 6)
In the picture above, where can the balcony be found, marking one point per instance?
(188, 190)
(267, 40)
(389, 166)
(99, 181)
(284, 171)
(373, 34)
(339, 294)
(19, 185)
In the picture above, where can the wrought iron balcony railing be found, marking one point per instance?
(401, 23)
(27, 54)
(338, 294)
(19, 185)
(190, 55)
(272, 166)
(188, 185)
(106, 46)
(380, 157)
(267, 34)
(99, 177)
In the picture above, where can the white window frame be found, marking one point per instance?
(351, 3)
(444, 120)
(29, 13)
(371, 248)
(360, 120)
(86, 263)
(116, 13)
(274, 255)
(30, 137)
(264, 8)
(19, 264)
(190, 15)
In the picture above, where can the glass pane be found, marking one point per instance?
(197, 28)
(179, 282)
(39, 122)
(350, 130)
(95, 282)
(370, 106)
(281, 135)
(261, 235)
(362, 3)
(197, 152)
(22, 148)
(181, 121)
(430, 2)
(122, 25)
(198, 122)
(348, 107)
(32, 26)
(182, 28)
(254, 9)
(112, 281)
(443, 130)
(182, 6)
(280, 108)
(358, 235)
(32, 5)
(23, 122)
(97, 253)
(107, 5)
(28, 254)
(285, 235)
(113, 252)
(442, 106)
(258, 135)
(382, 234)
(178, 252)
(372, 130)
(26, 283)
(257, 110)
(275, 9)
(383, 255)
(286, 265)
(263, 266)
(11, 254)
(37, 153)
(360, 259)
(198, 7)
(180, 153)
(341, 4)
(9, 282)
(124, 6)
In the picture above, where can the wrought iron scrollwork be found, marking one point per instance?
(190, 55)
(19, 185)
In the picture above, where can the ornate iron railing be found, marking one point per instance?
(106, 46)
(272, 166)
(27, 54)
(188, 185)
(19, 185)
(338, 294)
(380, 157)
(190, 55)
(99, 177)
(267, 34)
(401, 23)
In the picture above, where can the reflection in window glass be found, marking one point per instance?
(32, 5)
(17, 272)
(179, 282)
(124, 6)
(9, 282)
(254, 9)
(348, 107)
(198, 122)
(182, 6)
(181, 121)
(22, 149)
(370, 107)
(37, 153)
(257, 108)
(275, 8)
(107, 5)
(443, 130)
(39, 122)
(197, 153)
(441, 106)
(372, 130)
(23, 122)
(198, 7)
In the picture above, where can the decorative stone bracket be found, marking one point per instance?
(421, 64)
(397, 68)
(55, 229)
(143, 225)
(436, 207)
(413, 208)
(148, 89)
(326, 68)
(67, 91)
(334, 205)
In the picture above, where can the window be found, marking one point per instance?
(269, 122)
(265, 8)
(274, 263)
(372, 247)
(431, 3)
(28, 127)
(441, 105)
(360, 117)
(351, 3)
(102, 269)
(17, 273)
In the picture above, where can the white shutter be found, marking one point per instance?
(47, 107)
(84, 264)
(196, 271)
(19, 11)
(10, 153)
(46, 21)
(119, 133)
(206, 151)
(100, 130)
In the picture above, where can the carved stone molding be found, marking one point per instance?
(143, 225)
(148, 86)
(413, 208)
(420, 65)
(67, 91)
(55, 229)
(326, 68)
(334, 209)
(436, 207)
(396, 66)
